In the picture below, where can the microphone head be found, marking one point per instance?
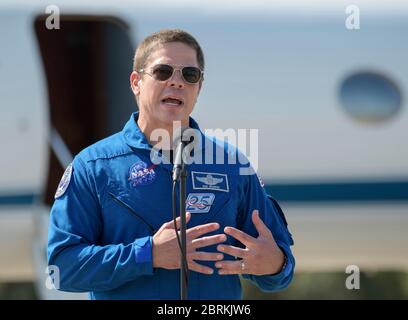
(183, 145)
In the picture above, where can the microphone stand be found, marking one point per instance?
(180, 174)
(184, 269)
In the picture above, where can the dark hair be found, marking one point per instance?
(150, 43)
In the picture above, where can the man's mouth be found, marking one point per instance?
(172, 101)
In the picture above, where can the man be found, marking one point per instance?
(111, 230)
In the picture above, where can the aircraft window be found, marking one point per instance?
(370, 97)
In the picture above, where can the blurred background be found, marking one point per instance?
(325, 83)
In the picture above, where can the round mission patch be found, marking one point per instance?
(63, 185)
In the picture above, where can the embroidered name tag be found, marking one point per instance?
(210, 181)
(199, 202)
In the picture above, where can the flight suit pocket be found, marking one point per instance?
(123, 217)
(124, 203)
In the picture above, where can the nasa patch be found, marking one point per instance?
(140, 174)
(199, 202)
(64, 183)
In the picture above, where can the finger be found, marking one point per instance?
(242, 237)
(208, 241)
(233, 251)
(197, 231)
(229, 267)
(206, 256)
(199, 268)
(170, 224)
(224, 272)
(262, 229)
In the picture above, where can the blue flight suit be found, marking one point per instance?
(111, 201)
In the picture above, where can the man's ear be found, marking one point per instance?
(135, 82)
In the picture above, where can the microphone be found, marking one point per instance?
(188, 137)
(191, 139)
(178, 165)
(180, 175)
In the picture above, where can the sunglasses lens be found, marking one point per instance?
(162, 72)
(191, 74)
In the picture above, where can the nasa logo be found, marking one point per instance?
(140, 174)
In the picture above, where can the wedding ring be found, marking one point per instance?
(242, 265)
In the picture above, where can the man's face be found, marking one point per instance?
(157, 99)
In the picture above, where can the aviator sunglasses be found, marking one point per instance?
(163, 72)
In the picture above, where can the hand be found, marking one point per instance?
(166, 251)
(261, 255)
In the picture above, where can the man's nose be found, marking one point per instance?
(176, 80)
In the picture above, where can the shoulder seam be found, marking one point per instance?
(110, 156)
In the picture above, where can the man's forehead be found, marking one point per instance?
(176, 53)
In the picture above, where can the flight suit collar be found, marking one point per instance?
(132, 134)
(135, 138)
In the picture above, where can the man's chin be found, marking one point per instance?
(172, 114)
(172, 109)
